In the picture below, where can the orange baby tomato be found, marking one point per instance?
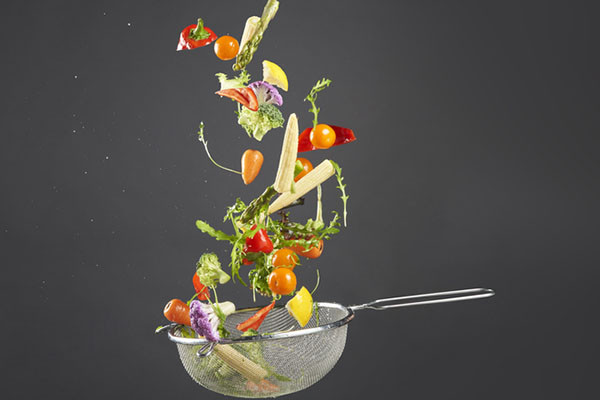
(285, 258)
(322, 136)
(282, 281)
(226, 47)
(306, 168)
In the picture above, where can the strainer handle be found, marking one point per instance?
(429, 298)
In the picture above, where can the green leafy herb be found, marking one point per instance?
(205, 143)
(215, 233)
(342, 187)
(259, 276)
(312, 98)
(232, 83)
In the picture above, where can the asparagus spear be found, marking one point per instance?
(249, 48)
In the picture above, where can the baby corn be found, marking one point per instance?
(314, 178)
(249, 30)
(287, 160)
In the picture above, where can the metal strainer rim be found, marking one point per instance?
(270, 336)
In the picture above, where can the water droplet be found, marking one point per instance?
(106, 157)
(129, 24)
(75, 76)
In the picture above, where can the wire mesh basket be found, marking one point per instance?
(284, 357)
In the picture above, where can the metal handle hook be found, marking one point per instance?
(205, 350)
(429, 298)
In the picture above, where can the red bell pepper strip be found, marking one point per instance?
(245, 96)
(260, 242)
(342, 136)
(196, 35)
(254, 321)
(203, 292)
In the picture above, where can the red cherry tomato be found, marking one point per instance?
(226, 47)
(322, 136)
(306, 168)
(285, 258)
(282, 281)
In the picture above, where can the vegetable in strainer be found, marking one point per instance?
(284, 358)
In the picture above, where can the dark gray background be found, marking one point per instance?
(476, 164)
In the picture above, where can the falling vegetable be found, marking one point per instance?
(252, 161)
(303, 167)
(258, 123)
(226, 47)
(282, 281)
(266, 93)
(310, 252)
(177, 311)
(285, 258)
(250, 29)
(251, 45)
(202, 290)
(245, 96)
(239, 81)
(255, 320)
(320, 174)
(274, 74)
(287, 159)
(205, 319)
(259, 243)
(342, 136)
(322, 136)
(202, 139)
(208, 269)
(194, 36)
(301, 306)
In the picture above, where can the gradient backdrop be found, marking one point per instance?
(476, 164)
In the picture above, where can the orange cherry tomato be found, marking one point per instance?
(226, 47)
(282, 281)
(313, 252)
(322, 136)
(306, 168)
(285, 258)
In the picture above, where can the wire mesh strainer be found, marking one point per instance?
(285, 357)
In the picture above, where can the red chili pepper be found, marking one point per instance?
(260, 242)
(254, 321)
(245, 96)
(342, 136)
(196, 35)
(203, 292)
